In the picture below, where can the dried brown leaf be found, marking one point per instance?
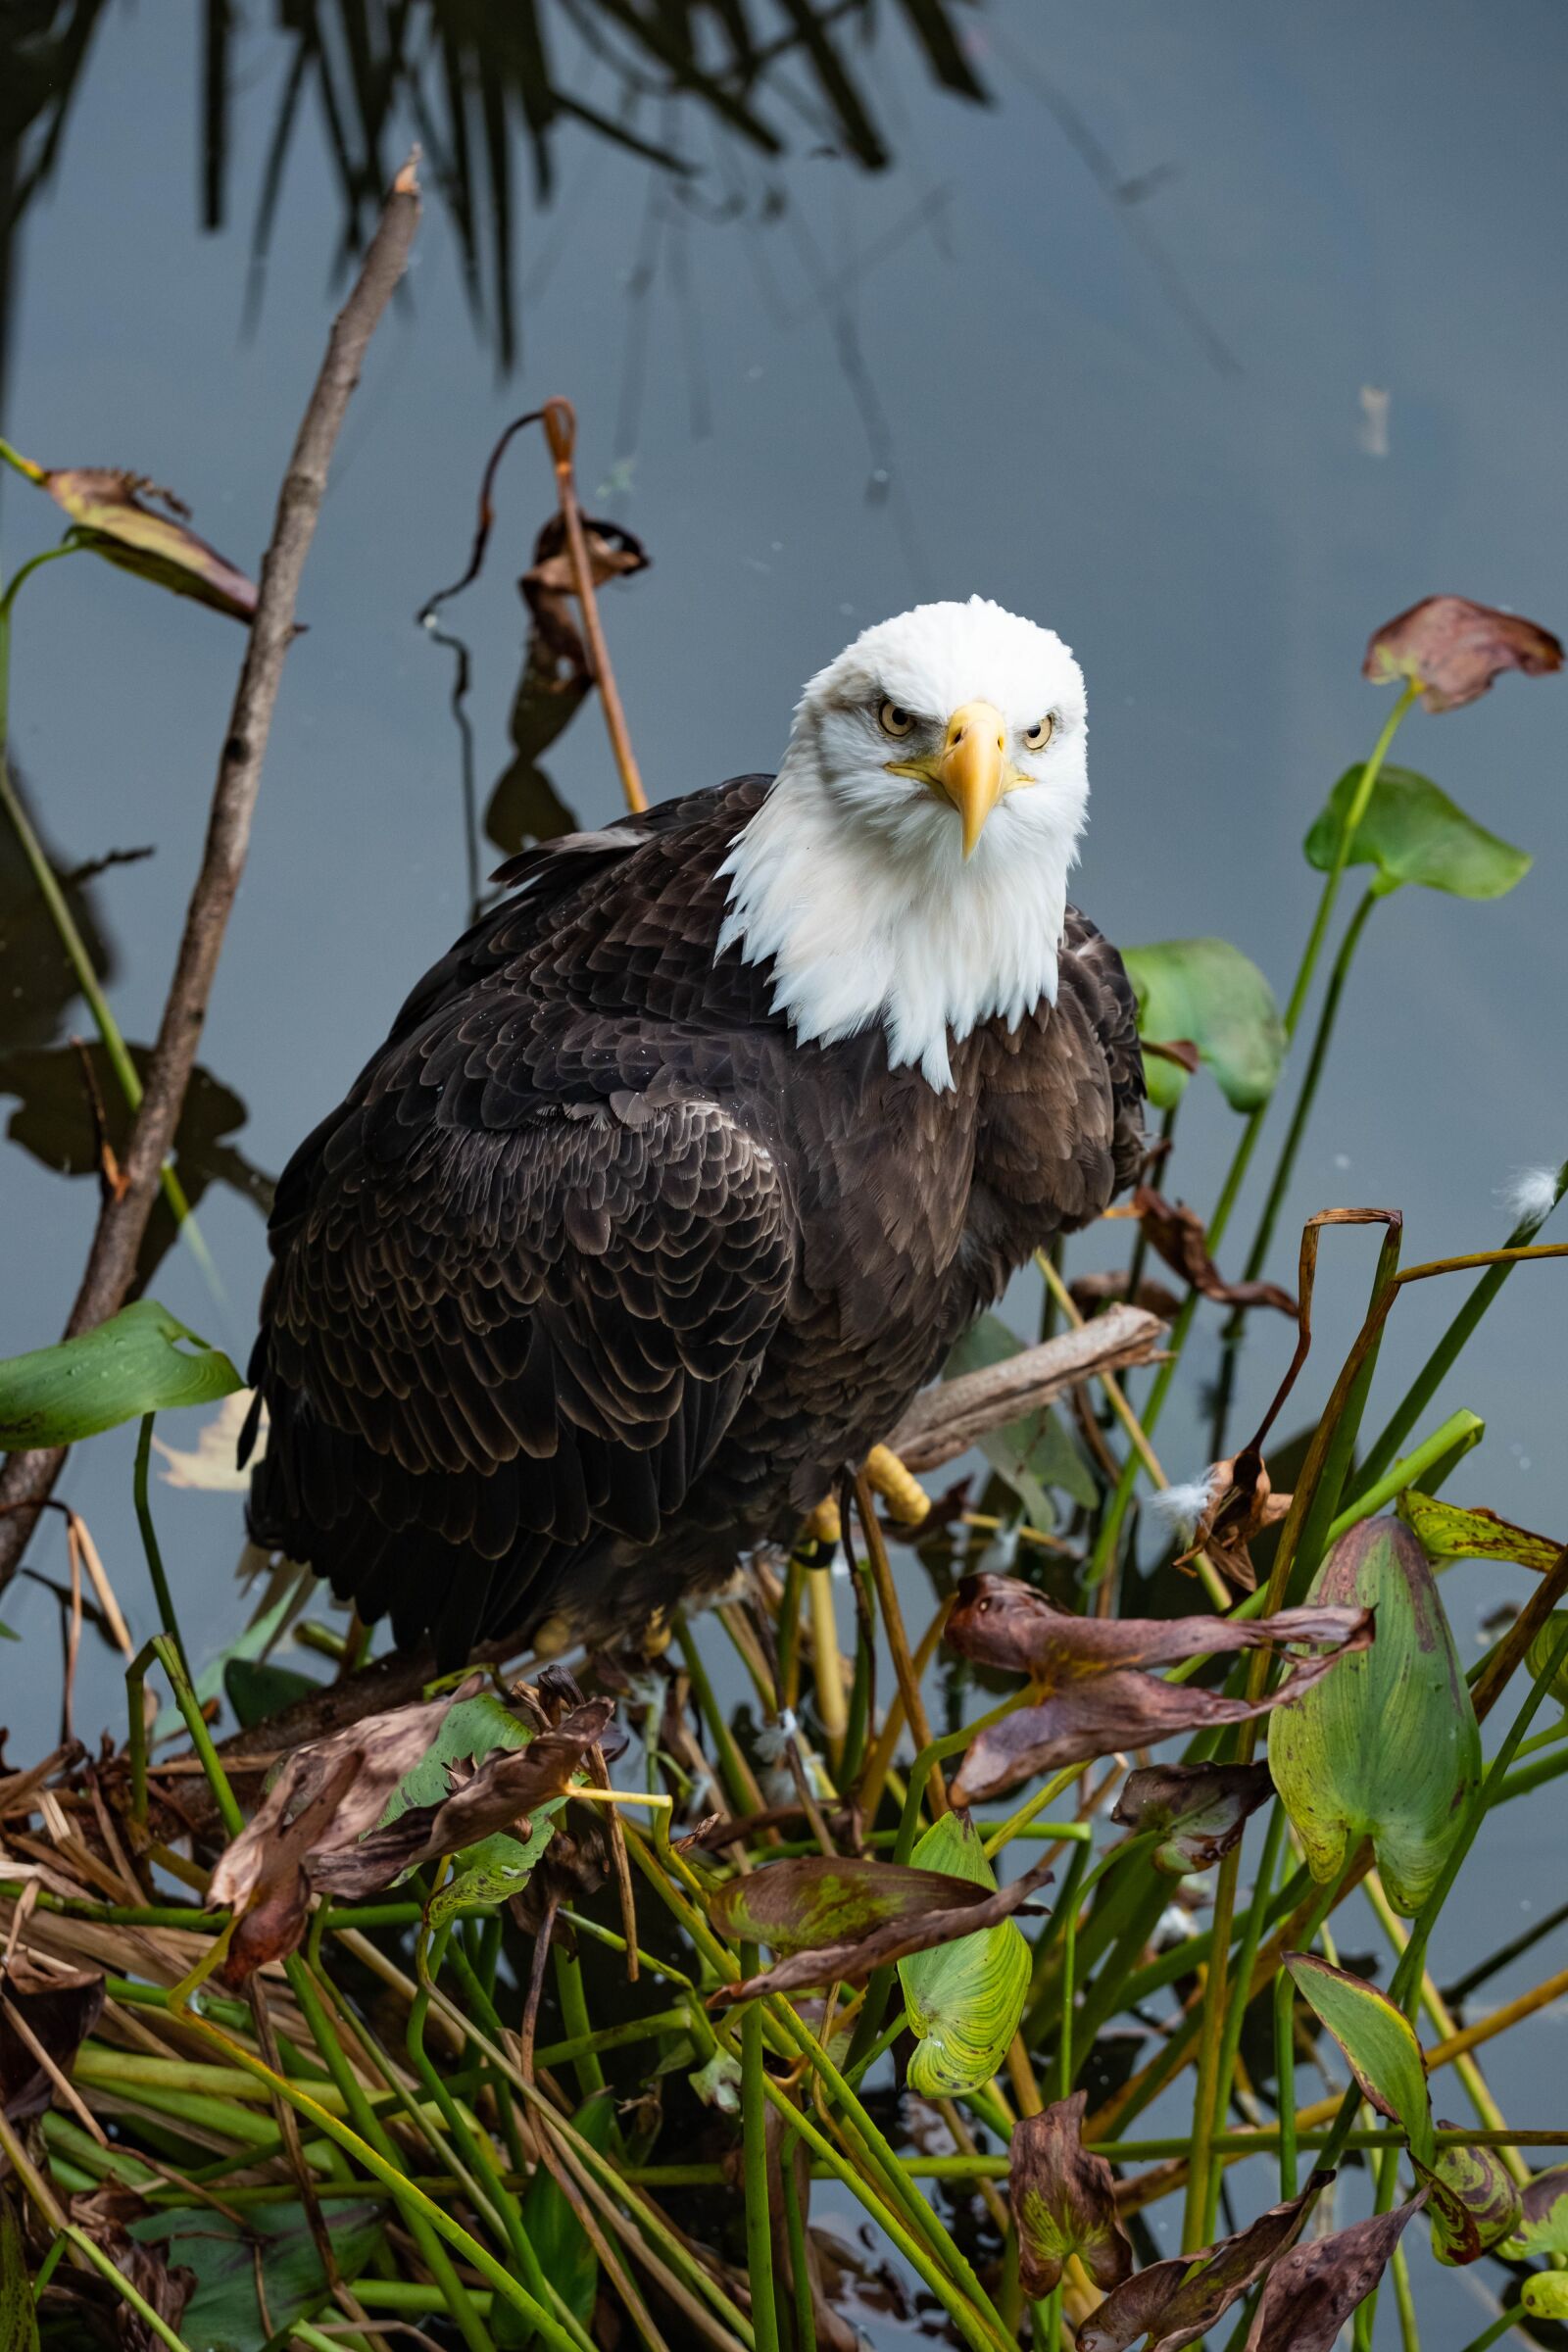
(1000, 1621)
(1174, 2308)
(1063, 2201)
(1453, 650)
(1200, 1809)
(855, 1956)
(1178, 1233)
(58, 2007)
(1314, 2289)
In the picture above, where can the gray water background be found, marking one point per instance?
(1110, 349)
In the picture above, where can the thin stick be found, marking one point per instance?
(561, 431)
(898, 1640)
(123, 1221)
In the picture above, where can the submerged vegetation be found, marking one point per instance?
(770, 1986)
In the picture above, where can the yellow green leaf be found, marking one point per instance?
(965, 1999)
(1379, 2041)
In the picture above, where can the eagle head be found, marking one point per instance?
(909, 864)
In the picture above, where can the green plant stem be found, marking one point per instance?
(802, 2299)
(149, 1538)
(753, 2123)
(1285, 2079)
(576, 2019)
(1500, 2326)
(1116, 1509)
(1413, 1404)
(1240, 1993)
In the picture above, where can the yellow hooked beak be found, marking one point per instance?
(972, 769)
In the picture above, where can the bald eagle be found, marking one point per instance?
(682, 1172)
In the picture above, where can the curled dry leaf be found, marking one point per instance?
(1176, 2302)
(1000, 1621)
(59, 2008)
(873, 1920)
(556, 655)
(1453, 650)
(1313, 2290)
(106, 505)
(1200, 1809)
(1063, 2201)
(1177, 1233)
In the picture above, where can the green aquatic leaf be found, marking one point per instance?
(131, 1365)
(1545, 2296)
(1544, 2218)
(1035, 1453)
(1448, 1533)
(1543, 1649)
(256, 1689)
(1412, 832)
(1474, 2205)
(1378, 2040)
(1387, 1746)
(223, 2314)
(965, 1999)
(1208, 994)
(473, 1728)
(497, 1868)
(565, 2254)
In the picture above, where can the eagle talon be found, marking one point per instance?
(907, 1499)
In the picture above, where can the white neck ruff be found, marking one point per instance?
(888, 924)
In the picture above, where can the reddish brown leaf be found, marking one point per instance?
(59, 2008)
(486, 1797)
(1200, 1809)
(1000, 1621)
(819, 1900)
(1453, 649)
(1174, 2308)
(108, 514)
(1314, 2289)
(1178, 1233)
(856, 1956)
(1098, 1715)
(1063, 2201)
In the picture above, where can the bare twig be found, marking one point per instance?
(946, 1420)
(122, 1219)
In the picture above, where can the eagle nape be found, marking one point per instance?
(679, 1175)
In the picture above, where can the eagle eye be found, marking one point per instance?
(895, 721)
(1038, 735)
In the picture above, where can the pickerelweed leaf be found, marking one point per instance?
(1379, 2041)
(1200, 1809)
(496, 1868)
(1313, 2291)
(1474, 2203)
(1000, 1621)
(566, 2252)
(275, 2242)
(1545, 2296)
(132, 1364)
(1176, 2302)
(800, 1905)
(1453, 649)
(1448, 1533)
(1388, 1747)
(1540, 1657)
(1206, 993)
(1063, 2202)
(931, 1917)
(256, 1689)
(1413, 833)
(965, 1999)
(1543, 2227)
(103, 502)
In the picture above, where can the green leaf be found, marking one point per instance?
(565, 2255)
(223, 2313)
(1379, 2041)
(1545, 2296)
(965, 1999)
(128, 1366)
(1544, 2218)
(1386, 1746)
(1543, 1648)
(494, 1870)
(257, 1691)
(1448, 1533)
(474, 1728)
(18, 2314)
(1474, 2205)
(1033, 1453)
(1209, 993)
(1412, 832)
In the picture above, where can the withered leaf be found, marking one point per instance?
(486, 1797)
(1063, 2201)
(1090, 1292)
(547, 588)
(800, 1905)
(938, 1909)
(1200, 1809)
(1097, 1715)
(1178, 1233)
(108, 514)
(59, 2008)
(1314, 2289)
(109, 2320)
(1453, 650)
(1000, 1621)
(1174, 2308)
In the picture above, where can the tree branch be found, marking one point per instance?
(29, 1478)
